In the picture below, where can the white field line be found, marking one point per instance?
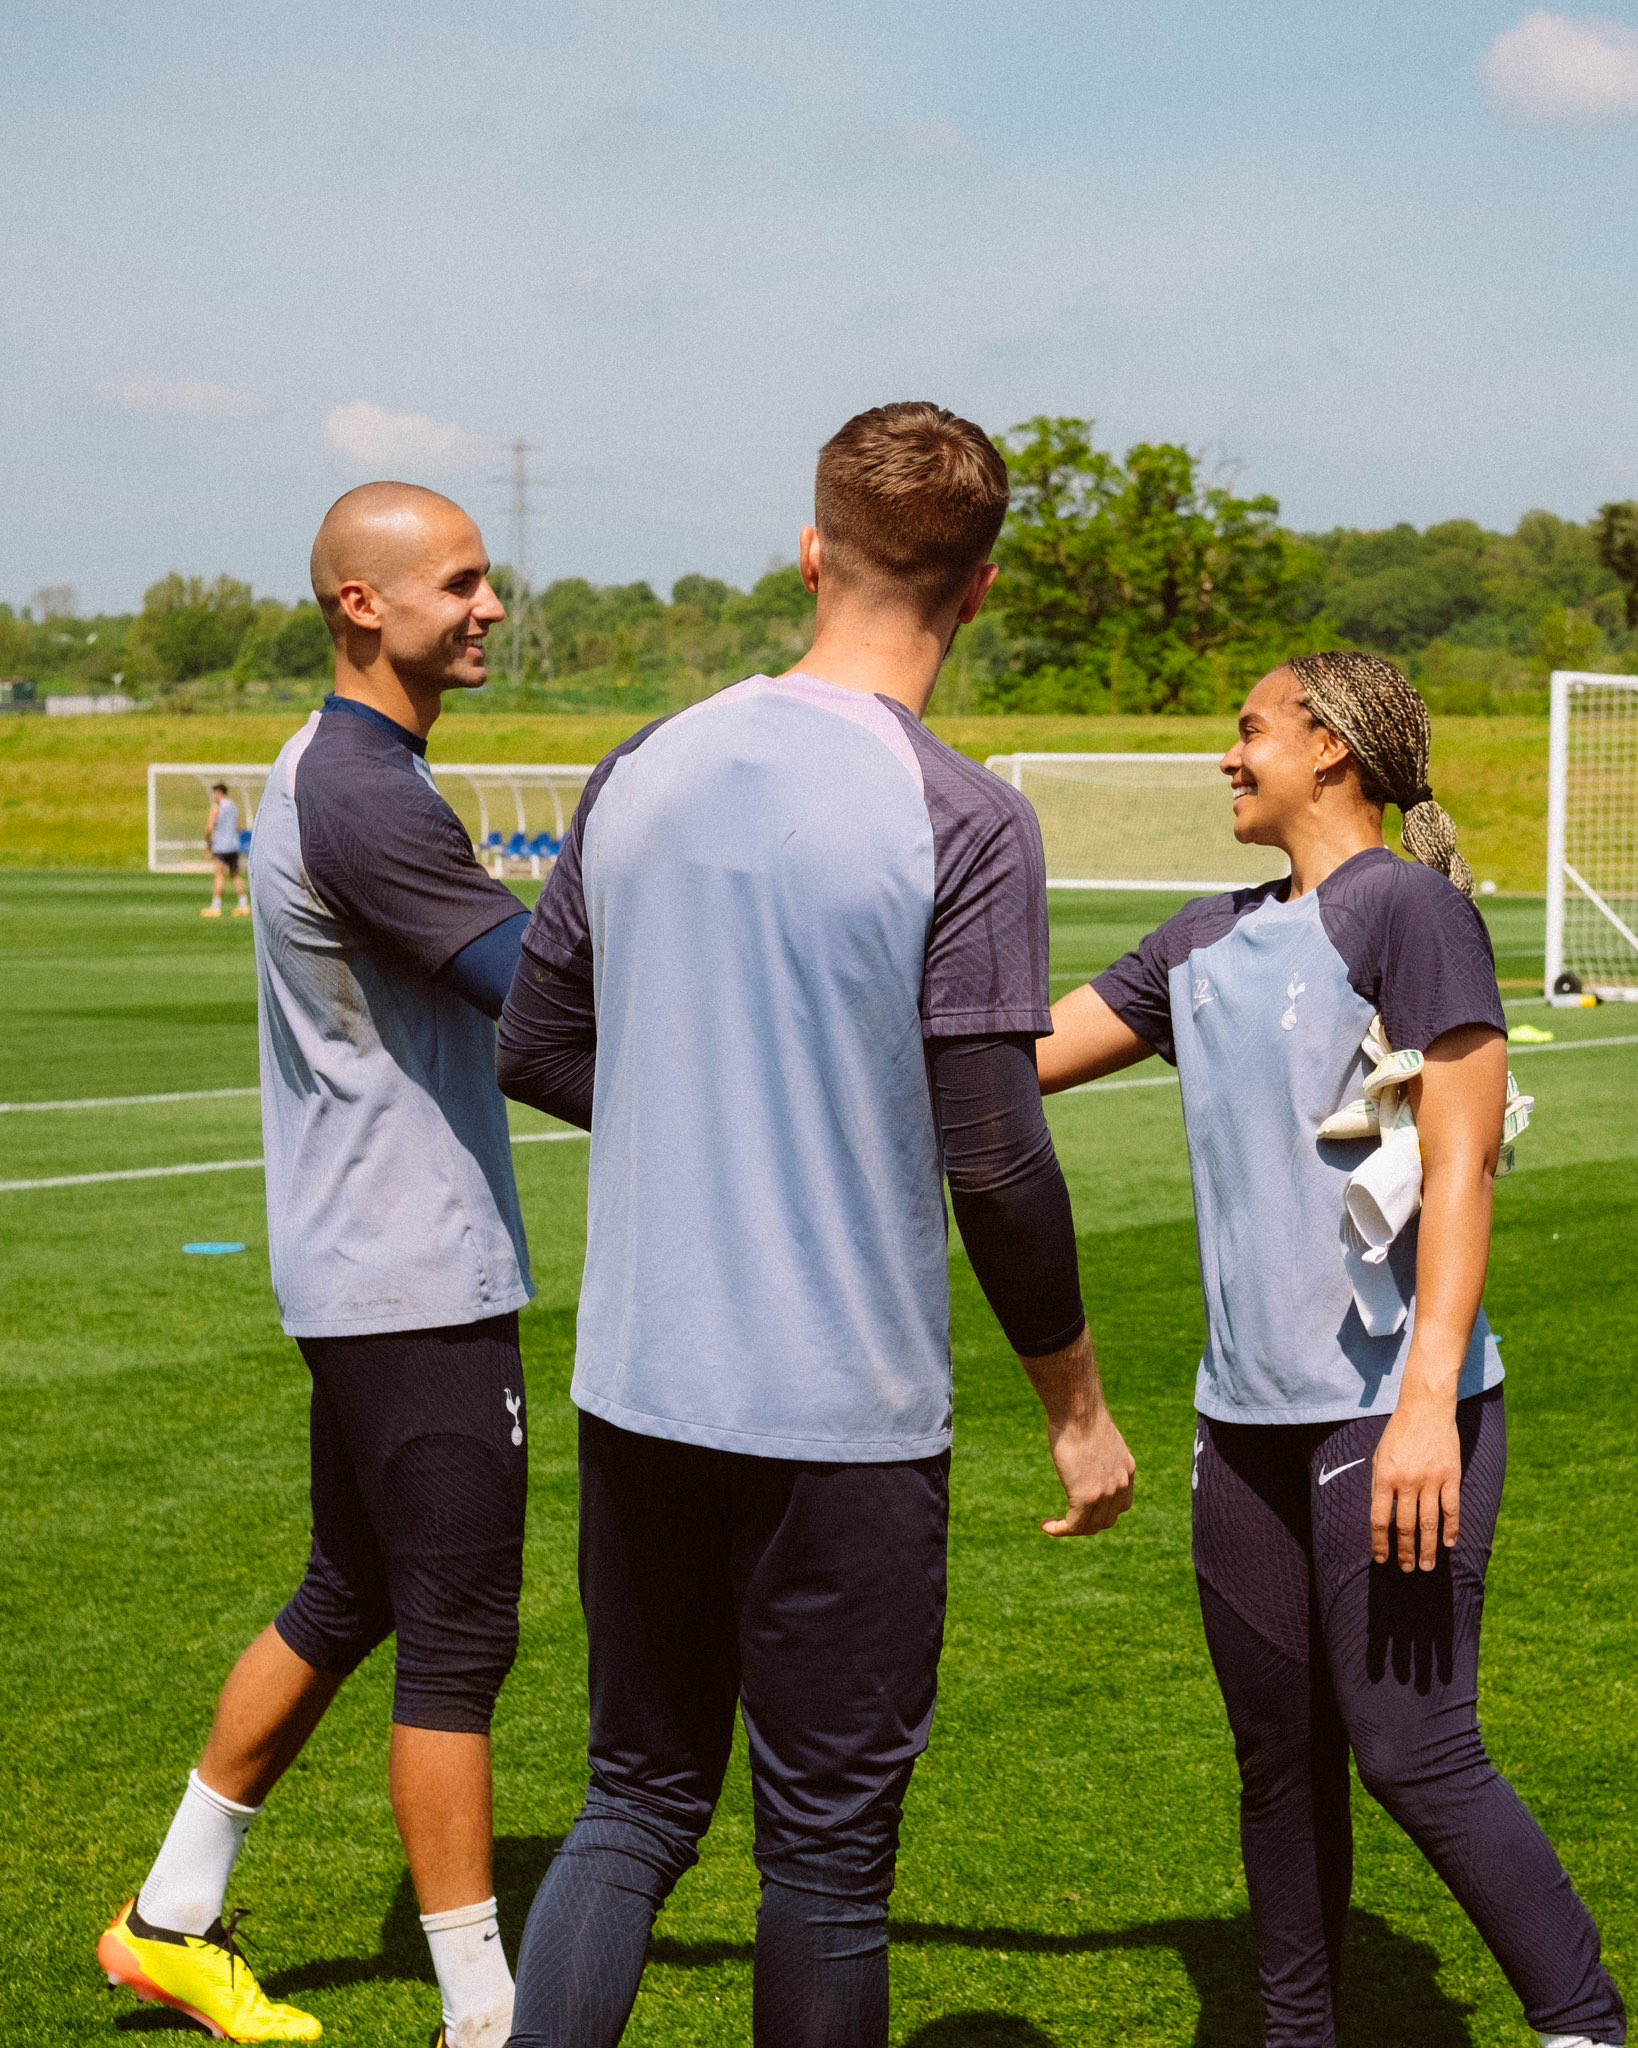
(132, 1101)
(86, 1180)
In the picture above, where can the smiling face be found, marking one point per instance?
(406, 569)
(435, 606)
(1272, 767)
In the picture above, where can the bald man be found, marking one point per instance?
(384, 953)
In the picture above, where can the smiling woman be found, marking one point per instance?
(1350, 1412)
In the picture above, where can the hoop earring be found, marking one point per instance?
(1319, 783)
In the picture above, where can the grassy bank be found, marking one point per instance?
(72, 791)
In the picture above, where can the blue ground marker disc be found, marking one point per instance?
(213, 1251)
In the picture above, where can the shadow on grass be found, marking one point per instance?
(520, 1863)
(1391, 1981)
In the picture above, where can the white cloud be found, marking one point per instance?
(190, 397)
(1558, 67)
(368, 438)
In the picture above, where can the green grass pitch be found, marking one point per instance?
(1069, 1872)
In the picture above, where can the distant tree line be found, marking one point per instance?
(1137, 583)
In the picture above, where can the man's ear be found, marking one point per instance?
(360, 606)
(972, 601)
(810, 550)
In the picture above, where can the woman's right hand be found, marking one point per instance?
(1088, 1040)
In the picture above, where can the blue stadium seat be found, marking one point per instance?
(545, 847)
(244, 842)
(517, 847)
(494, 843)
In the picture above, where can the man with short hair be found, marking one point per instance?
(223, 844)
(790, 970)
(384, 952)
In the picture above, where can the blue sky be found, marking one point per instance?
(1378, 254)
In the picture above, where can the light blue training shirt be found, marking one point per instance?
(1262, 1004)
(224, 837)
(779, 895)
(391, 1203)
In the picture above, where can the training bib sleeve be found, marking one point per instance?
(384, 852)
(987, 943)
(1138, 986)
(1416, 948)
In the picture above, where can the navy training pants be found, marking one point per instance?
(809, 1597)
(1319, 1652)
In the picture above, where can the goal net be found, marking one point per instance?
(1592, 835)
(1137, 821)
(517, 814)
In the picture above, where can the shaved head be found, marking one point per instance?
(402, 577)
(375, 535)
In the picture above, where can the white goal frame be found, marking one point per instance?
(497, 790)
(1565, 875)
(1014, 768)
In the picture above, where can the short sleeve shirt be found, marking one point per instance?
(1262, 1005)
(391, 1200)
(778, 896)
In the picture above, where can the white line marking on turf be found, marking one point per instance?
(132, 1101)
(1575, 1044)
(1113, 1087)
(87, 1180)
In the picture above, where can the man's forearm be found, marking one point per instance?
(1067, 1384)
(546, 1052)
(1007, 1190)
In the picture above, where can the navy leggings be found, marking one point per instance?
(809, 1598)
(1319, 1653)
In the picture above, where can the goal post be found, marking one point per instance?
(1592, 835)
(1137, 821)
(516, 813)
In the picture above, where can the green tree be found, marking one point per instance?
(1616, 533)
(1141, 576)
(193, 628)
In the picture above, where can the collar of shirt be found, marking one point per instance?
(412, 740)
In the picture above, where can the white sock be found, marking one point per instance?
(1566, 2041)
(188, 1883)
(473, 1978)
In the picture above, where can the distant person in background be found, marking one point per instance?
(223, 846)
(384, 952)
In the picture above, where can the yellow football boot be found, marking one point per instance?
(204, 1975)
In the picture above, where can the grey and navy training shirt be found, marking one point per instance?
(391, 1203)
(778, 898)
(1261, 1005)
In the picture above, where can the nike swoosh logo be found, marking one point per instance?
(493, 1936)
(1325, 1478)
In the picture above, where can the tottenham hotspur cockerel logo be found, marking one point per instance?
(514, 1406)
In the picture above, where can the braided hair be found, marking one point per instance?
(1376, 711)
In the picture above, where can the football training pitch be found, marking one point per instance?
(1069, 1872)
